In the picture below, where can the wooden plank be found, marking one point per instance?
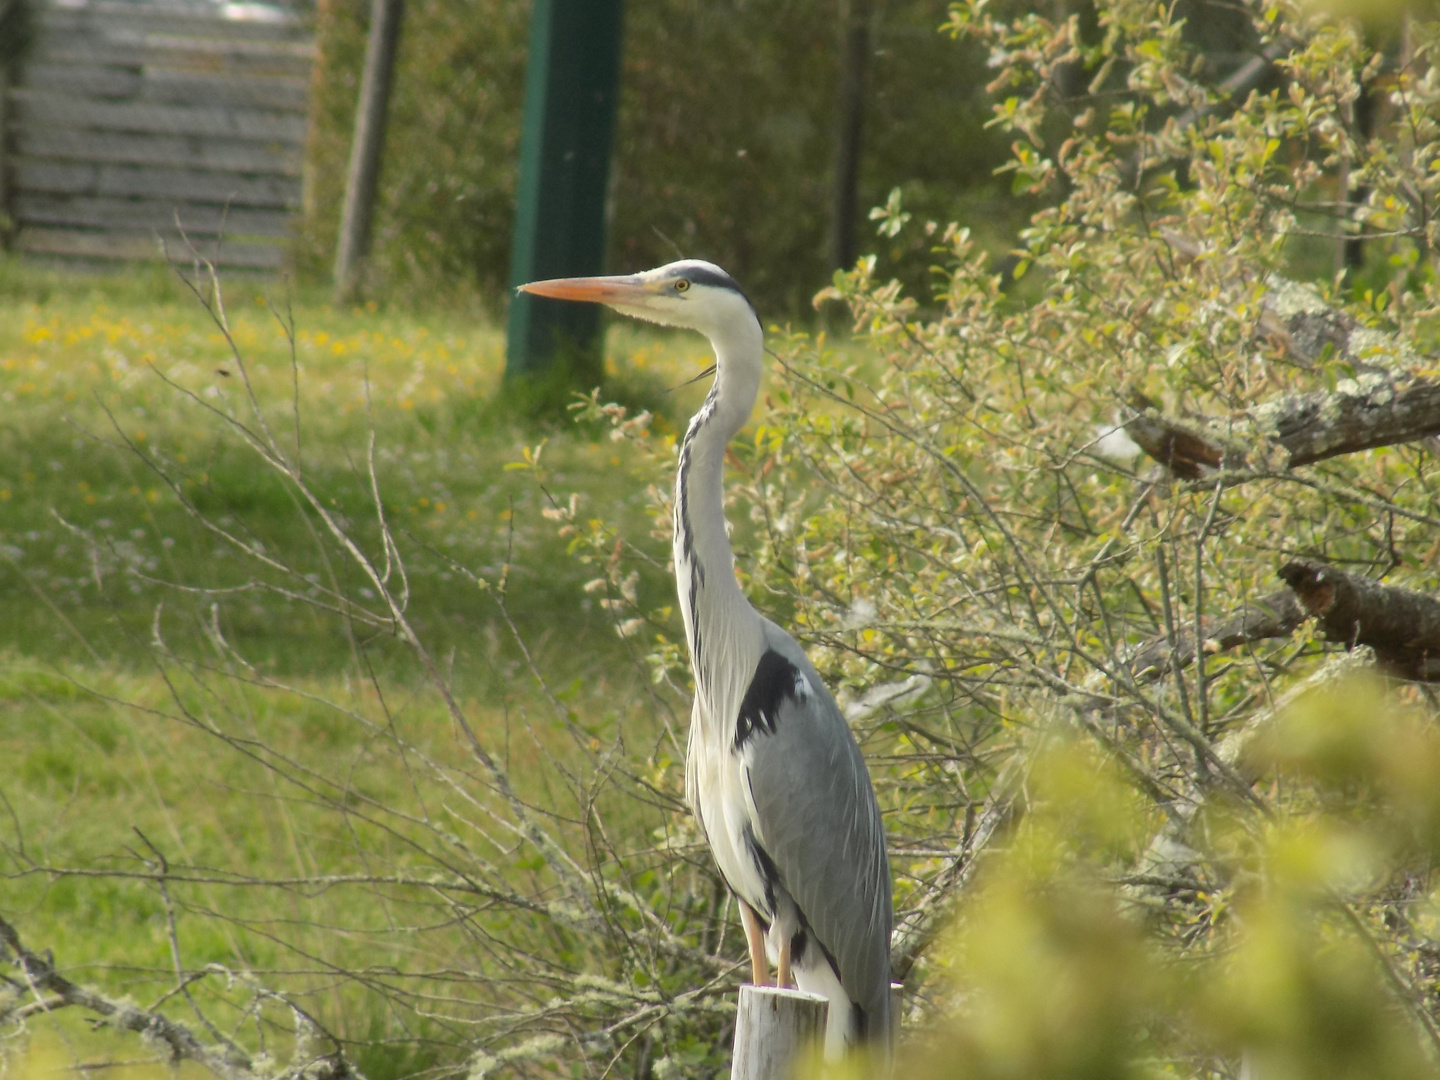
(128, 35)
(38, 108)
(111, 246)
(98, 212)
(212, 155)
(168, 87)
(198, 88)
(84, 80)
(179, 185)
(177, 53)
(110, 17)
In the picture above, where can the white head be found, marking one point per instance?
(691, 293)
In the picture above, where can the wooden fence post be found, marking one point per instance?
(363, 179)
(773, 1028)
(6, 225)
(897, 1003)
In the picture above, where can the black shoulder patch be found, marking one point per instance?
(774, 681)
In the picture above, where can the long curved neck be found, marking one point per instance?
(720, 626)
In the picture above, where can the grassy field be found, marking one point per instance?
(134, 740)
(85, 372)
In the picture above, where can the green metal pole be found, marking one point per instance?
(571, 88)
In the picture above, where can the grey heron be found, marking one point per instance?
(772, 770)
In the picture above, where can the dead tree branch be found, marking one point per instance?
(1364, 413)
(39, 977)
(1307, 326)
(1401, 625)
(1188, 451)
(1383, 404)
(1273, 616)
(1372, 410)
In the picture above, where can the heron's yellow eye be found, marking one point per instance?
(681, 285)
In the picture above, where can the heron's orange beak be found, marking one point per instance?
(598, 290)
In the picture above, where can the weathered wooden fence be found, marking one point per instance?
(131, 124)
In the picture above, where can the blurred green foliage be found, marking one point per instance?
(1055, 972)
(724, 150)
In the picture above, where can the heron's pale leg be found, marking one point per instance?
(755, 938)
(782, 977)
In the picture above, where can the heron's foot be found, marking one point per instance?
(782, 976)
(755, 938)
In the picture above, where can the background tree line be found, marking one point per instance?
(725, 149)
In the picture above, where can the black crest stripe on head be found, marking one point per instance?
(704, 275)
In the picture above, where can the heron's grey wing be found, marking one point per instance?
(817, 819)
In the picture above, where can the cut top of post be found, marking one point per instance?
(775, 1029)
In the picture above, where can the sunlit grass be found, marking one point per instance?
(103, 775)
(109, 775)
(59, 1047)
(79, 356)
(87, 379)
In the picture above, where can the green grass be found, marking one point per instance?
(82, 374)
(117, 753)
